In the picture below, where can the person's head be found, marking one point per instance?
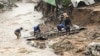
(65, 15)
(21, 28)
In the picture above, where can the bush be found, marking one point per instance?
(1, 6)
(66, 2)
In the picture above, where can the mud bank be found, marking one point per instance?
(85, 16)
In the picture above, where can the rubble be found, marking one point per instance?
(93, 49)
(61, 47)
(37, 44)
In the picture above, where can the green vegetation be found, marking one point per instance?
(1, 6)
(52, 2)
(66, 2)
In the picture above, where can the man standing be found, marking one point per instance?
(67, 23)
(18, 32)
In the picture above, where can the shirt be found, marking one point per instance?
(67, 21)
(36, 28)
(17, 30)
(61, 25)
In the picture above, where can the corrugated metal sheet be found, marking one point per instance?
(52, 2)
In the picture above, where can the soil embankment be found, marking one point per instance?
(86, 15)
(76, 44)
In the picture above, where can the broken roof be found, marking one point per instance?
(52, 2)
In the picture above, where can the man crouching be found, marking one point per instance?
(18, 32)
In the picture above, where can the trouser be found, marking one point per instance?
(59, 30)
(36, 32)
(67, 28)
(17, 34)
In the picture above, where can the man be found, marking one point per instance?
(18, 32)
(67, 23)
(59, 27)
(37, 29)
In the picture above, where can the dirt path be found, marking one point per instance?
(22, 16)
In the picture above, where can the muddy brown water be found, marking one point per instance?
(22, 16)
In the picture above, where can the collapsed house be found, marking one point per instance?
(52, 9)
(76, 3)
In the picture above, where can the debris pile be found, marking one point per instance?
(93, 49)
(37, 44)
(62, 46)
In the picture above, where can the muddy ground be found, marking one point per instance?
(87, 15)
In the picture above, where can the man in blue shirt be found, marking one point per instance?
(36, 29)
(60, 26)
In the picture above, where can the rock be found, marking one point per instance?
(80, 49)
(37, 44)
(97, 34)
(93, 49)
(62, 46)
(41, 45)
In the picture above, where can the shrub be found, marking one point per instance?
(66, 2)
(1, 6)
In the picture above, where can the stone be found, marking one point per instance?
(59, 47)
(93, 49)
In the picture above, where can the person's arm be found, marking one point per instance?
(39, 29)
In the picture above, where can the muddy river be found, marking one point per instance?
(21, 16)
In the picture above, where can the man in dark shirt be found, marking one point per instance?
(67, 23)
(18, 32)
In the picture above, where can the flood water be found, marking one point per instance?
(21, 16)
